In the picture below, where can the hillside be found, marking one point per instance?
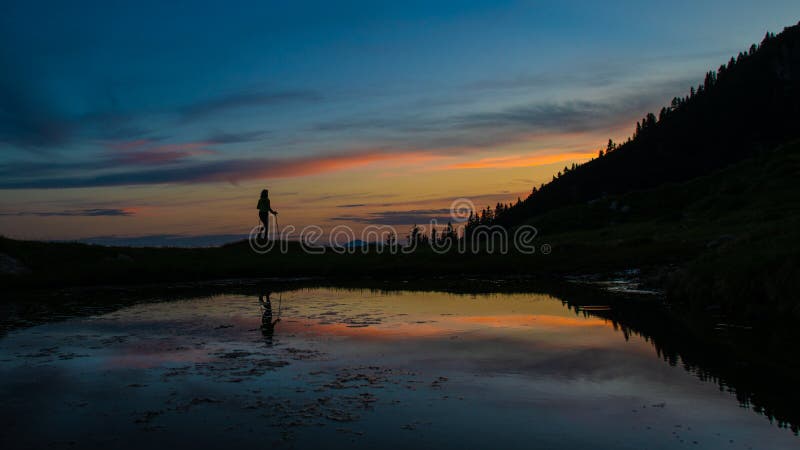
(748, 105)
(728, 241)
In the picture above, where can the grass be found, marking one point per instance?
(734, 235)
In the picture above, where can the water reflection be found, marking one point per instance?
(759, 367)
(363, 368)
(267, 322)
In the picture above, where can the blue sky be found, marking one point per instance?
(179, 98)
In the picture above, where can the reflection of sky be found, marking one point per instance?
(514, 368)
(160, 118)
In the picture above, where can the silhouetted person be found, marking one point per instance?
(264, 210)
(267, 324)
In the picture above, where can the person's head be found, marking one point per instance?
(264, 193)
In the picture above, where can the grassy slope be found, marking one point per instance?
(735, 234)
(733, 237)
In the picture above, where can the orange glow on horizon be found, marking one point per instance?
(507, 162)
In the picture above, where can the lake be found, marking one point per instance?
(338, 368)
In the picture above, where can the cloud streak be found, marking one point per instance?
(231, 171)
(142, 152)
(96, 212)
(235, 138)
(511, 124)
(414, 140)
(166, 240)
(507, 162)
(410, 217)
(246, 99)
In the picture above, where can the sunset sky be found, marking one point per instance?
(131, 119)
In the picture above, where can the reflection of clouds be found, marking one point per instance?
(533, 320)
(540, 338)
(565, 347)
(149, 353)
(570, 379)
(396, 331)
(142, 358)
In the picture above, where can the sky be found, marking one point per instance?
(162, 120)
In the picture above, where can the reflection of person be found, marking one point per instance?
(267, 324)
(264, 210)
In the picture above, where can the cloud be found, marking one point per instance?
(416, 216)
(518, 161)
(478, 200)
(235, 138)
(166, 240)
(569, 116)
(598, 77)
(348, 195)
(142, 152)
(602, 74)
(233, 170)
(97, 212)
(491, 127)
(24, 170)
(143, 161)
(246, 99)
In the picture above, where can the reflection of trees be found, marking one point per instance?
(745, 363)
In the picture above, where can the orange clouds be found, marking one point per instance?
(319, 164)
(239, 170)
(511, 161)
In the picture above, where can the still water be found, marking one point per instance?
(359, 369)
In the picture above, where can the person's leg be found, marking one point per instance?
(265, 222)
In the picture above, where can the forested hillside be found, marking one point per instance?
(746, 106)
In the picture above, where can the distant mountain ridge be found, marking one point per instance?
(750, 104)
